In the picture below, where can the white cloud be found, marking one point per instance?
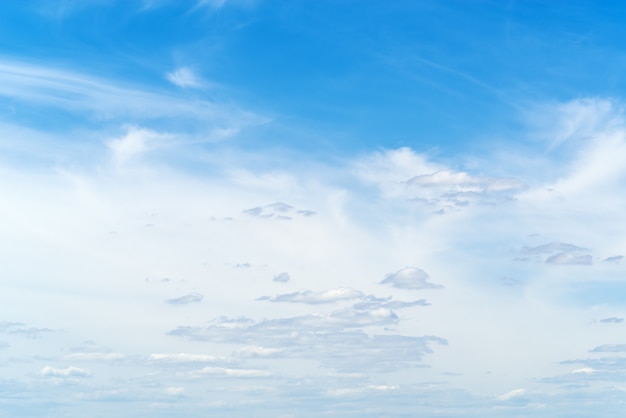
(227, 372)
(184, 77)
(184, 357)
(135, 142)
(95, 356)
(325, 296)
(585, 370)
(256, 351)
(67, 372)
(513, 394)
(175, 391)
(89, 98)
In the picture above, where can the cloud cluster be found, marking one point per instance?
(406, 174)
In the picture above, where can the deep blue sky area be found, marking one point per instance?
(440, 73)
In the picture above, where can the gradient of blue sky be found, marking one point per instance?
(302, 208)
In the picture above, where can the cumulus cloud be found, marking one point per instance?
(184, 77)
(412, 278)
(67, 372)
(326, 296)
(282, 277)
(186, 299)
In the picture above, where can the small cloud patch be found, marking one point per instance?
(279, 211)
(314, 298)
(68, 372)
(610, 348)
(186, 299)
(184, 77)
(612, 320)
(567, 258)
(282, 277)
(613, 259)
(411, 278)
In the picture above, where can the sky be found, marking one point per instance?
(342, 208)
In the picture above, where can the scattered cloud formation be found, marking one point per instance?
(124, 169)
(412, 278)
(404, 173)
(19, 328)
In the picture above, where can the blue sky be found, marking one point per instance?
(299, 209)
